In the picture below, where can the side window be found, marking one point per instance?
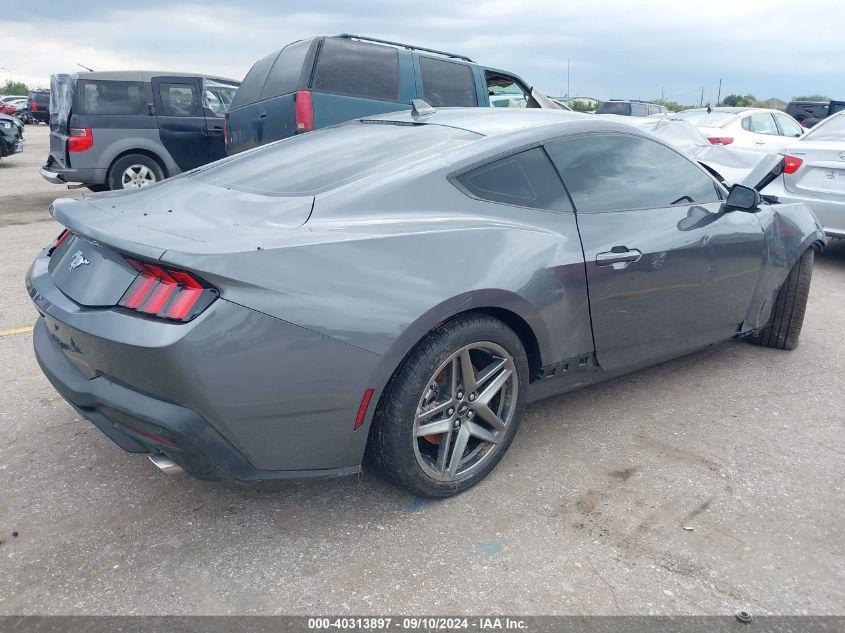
(504, 91)
(179, 100)
(447, 83)
(111, 97)
(284, 76)
(639, 109)
(787, 126)
(357, 69)
(763, 123)
(252, 85)
(614, 172)
(526, 179)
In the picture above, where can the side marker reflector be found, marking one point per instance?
(362, 410)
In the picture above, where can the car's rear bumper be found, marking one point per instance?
(141, 423)
(52, 172)
(234, 393)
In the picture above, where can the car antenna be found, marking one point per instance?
(419, 107)
(90, 70)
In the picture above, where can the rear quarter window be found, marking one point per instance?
(526, 179)
(111, 97)
(357, 69)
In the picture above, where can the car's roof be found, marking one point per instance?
(733, 110)
(146, 75)
(488, 121)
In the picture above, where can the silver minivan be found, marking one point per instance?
(127, 129)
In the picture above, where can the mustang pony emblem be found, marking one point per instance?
(78, 260)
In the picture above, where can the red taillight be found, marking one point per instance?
(59, 241)
(166, 293)
(362, 410)
(80, 139)
(720, 140)
(791, 164)
(226, 130)
(34, 107)
(304, 111)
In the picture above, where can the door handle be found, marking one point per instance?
(215, 131)
(618, 257)
(759, 142)
(263, 115)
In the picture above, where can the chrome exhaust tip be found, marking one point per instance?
(165, 464)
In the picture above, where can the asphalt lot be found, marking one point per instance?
(587, 513)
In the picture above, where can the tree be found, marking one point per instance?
(812, 98)
(739, 101)
(581, 106)
(14, 88)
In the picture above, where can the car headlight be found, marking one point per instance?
(6, 124)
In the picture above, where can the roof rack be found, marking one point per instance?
(410, 47)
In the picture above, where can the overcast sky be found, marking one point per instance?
(616, 48)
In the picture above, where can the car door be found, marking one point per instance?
(762, 134)
(668, 268)
(181, 122)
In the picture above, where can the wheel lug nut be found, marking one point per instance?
(472, 397)
(450, 412)
(470, 414)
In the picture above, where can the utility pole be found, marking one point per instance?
(701, 101)
(567, 78)
(719, 97)
(661, 95)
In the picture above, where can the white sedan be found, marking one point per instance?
(753, 128)
(814, 173)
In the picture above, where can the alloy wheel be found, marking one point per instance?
(465, 411)
(136, 176)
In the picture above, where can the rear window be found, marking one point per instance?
(252, 85)
(111, 97)
(447, 83)
(318, 161)
(701, 118)
(832, 129)
(357, 69)
(609, 107)
(284, 76)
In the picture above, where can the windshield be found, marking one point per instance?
(703, 119)
(307, 164)
(831, 129)
(614, 107)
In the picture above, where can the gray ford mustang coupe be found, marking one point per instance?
(401, 285)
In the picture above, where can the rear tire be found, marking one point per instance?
(134, 171)
(478, 409)
(784, 325)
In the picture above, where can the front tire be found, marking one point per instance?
(134, 171)
(784, 325)
(451, 410)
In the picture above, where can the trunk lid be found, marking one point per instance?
(822, 172)
(180, 215)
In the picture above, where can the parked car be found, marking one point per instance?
(814, 174)
(406, 282)
(12, 107)
(807, 113)
(760, 128)
(129, 129)
(322, 81)
(6, 98)
(630, 108)
(11, 136)
(38, 106)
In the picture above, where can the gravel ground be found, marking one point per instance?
(703, 485)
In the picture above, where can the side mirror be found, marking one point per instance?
(743, 198)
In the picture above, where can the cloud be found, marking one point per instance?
(615, 48)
